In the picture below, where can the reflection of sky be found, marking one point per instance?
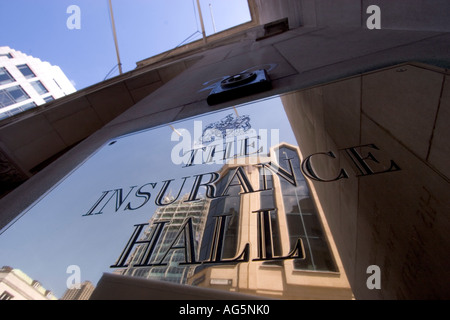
(53, 234)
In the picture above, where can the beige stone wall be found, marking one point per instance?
(397, 220)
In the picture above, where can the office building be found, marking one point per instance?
(291, 254)
(27, 82)
(175, 215)
(16, 285)
(81, 292)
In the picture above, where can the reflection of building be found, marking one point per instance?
(27, 82)
(175, 214)
(260, 232)
(293, 215)
(16, 285)
(82, 293)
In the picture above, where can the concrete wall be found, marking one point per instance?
(412, 14)
(429, 15)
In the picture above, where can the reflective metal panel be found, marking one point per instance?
(214, 201)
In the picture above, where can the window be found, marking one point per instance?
(27, 106)
(230, 207)
(8, 55)
(5, 77)
(12, 95)
(267, 200)
(18, 93)
(303, 220)
(39, 87)
(17, 110)
(26, 71)
(49, 98)
(6, 296)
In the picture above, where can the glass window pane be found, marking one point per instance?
(17, 93)
(28, 106)
(5, 99)
(7, 55)
(303, 219)
(26, 71)
(15, 111)
(39, 87)
(49, 98)
(6, 296)
(5, 76)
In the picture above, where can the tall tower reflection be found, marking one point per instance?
(175, 214)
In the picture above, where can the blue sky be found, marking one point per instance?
(86, 55)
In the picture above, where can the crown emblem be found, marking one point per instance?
(227, 126)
